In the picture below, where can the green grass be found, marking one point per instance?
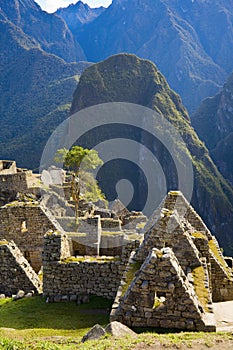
(32, 324)
(34, 313)
(146, 340)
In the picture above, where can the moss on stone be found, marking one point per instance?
(104, 259)
(201, 291)
(218, 256)
(134, 237)
(3, 242)
(111, 233)
(166, 213)
(130, 274)
(157, 303)
(141, 225)
(198, 234)
(159, 254)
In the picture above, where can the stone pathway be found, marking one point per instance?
(224, 316)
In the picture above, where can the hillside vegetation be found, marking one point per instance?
(213, 122)
(35, 94)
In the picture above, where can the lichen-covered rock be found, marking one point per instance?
(94, 333)
(119, 330)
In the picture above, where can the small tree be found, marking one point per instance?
(78, 160)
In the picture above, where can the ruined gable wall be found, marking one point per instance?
(168, 231)
(25, 224)
(14, 182)
(15, 272)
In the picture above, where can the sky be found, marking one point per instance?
(52, 5)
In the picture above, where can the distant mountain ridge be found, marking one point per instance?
(36, 89)
(76, 15)
(191, 42)
(49, 30)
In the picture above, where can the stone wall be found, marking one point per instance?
(14, 182)
(15, 271)
(68, 278)
(109, 224)
(25, 224)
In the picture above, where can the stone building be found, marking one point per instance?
(178, 270)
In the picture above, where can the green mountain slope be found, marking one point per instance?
(49, 30)
(213, 122)
(127, 78)
(35, 94)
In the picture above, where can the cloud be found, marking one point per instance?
(53, 5)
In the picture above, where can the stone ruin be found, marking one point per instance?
(164, 272)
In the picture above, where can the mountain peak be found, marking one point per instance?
(124, 77)
(76, 15)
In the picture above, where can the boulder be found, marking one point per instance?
(19, 295)
(119, 330)
(94, 333)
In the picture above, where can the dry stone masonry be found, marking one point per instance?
(15, 271)
(25, 224)
(162, 272)
(66, 277)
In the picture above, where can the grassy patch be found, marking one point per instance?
(148, 340)
(199, 286)
(55, 318)
(4, 301)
